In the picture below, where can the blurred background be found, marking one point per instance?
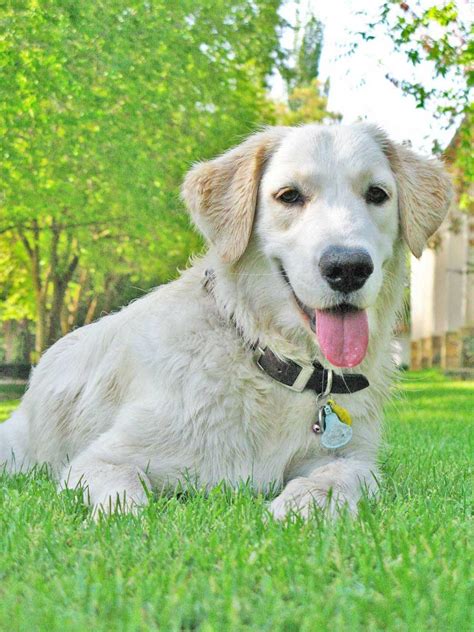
(105, 104)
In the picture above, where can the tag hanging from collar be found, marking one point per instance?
(334, 422)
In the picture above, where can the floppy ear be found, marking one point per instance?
(424, 193)
(221, 194)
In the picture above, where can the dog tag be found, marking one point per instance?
(336, 433)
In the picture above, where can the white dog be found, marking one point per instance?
(219, 376)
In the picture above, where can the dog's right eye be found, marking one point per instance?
(290, 196)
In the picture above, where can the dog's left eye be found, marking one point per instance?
(376, 195)
(290, 196)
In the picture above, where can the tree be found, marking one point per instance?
(306, 104)
(307, 99)
(308, 54)
(103, 107)
(436, 37)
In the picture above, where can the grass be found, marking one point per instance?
(10, 391)
(197, 563)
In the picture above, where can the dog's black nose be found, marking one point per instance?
(345, 269)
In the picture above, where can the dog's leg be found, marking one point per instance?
(331, 487)
(109, 484)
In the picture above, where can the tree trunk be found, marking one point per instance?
(71, 311)
(91, 311)
(48, 330)
(54, 329)
(9, 338)
(40, 288)
(60, 283)
(40, 329)
(27, 342)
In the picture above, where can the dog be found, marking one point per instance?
(251, 365)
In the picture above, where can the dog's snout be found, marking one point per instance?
(345, 269)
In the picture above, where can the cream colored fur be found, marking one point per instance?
(166, 391)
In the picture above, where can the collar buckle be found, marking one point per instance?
(304, 374)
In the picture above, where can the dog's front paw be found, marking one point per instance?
(108, 488)
(302, 496)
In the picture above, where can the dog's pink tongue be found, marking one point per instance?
(343, 337)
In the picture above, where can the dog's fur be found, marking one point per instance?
(167, 389)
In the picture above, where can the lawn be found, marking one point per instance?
(215, 563)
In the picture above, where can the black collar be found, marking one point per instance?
(295, 376)
(313, 377)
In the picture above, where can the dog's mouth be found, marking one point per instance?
(342, 330)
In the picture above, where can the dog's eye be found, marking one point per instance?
(376, 195)
(290, 196)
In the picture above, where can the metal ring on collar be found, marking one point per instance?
(327, 390)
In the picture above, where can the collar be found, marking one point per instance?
(313, 377)
(293, 375)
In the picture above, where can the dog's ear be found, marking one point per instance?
(221, 194)
(424, 192)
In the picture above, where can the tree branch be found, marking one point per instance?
(6, 229)
(27, 244)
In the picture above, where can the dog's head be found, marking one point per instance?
(327, 206)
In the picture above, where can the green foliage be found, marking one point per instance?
(307, 102)
(309, 54)
(16, 295)
(103, 107)
(213, 562)
(437, 37)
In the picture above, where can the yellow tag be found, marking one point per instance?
(343, 414)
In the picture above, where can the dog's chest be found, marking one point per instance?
(261, 455)
(220, 418)
(248, 429)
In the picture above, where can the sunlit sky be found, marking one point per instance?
(358, 86)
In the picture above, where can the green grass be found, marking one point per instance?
(10, 391)
(197, 563)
